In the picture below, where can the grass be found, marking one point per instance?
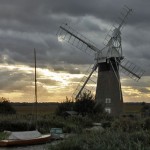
(107, 140)
(28, 108)
(23, 108)
(122, 134)
(24, 122)
(3, 135)
(119, 134)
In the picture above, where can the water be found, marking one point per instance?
(34, 147)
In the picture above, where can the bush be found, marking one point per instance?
(5, 107)
(84, 104)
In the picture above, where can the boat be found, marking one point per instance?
(24, 138)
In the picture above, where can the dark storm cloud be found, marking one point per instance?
(26, 24)
(32, 12)
(104, 9)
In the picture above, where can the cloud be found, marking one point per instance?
(33, 25)
(26, 24)
(70, 69)
(48, 82)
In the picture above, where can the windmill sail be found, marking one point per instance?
(68, 34)
(86, 81)
(117, 28)
(131, 69)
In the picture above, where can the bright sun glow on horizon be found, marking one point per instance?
(53, 86)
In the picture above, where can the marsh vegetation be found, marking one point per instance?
(124, 132)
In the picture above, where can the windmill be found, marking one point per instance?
(108, 62)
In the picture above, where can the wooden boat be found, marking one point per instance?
(24, 142)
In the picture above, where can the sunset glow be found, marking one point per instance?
(53, 86)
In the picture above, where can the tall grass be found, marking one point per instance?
(119, 133)
(123, 134)
(108, 140)
(24, 122)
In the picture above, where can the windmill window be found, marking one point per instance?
(108, 110)
(108, 100)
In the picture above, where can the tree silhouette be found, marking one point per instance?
(85, 104)
(5, 107)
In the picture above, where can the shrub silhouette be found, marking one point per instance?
(5, 107)
(84, 105)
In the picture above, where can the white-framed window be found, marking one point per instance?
(108, 110)
(108, 100)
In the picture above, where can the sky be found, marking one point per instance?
(29, 24)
